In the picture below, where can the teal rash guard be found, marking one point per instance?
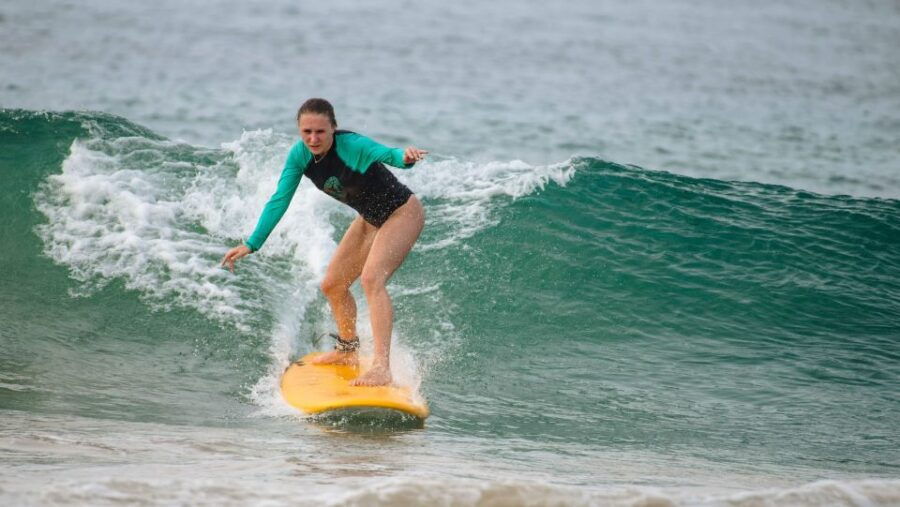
(352, 172)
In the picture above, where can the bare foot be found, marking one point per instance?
(376, 376)
(337, 357)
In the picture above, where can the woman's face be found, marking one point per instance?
(317, 132)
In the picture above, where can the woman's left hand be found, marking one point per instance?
(413, 155)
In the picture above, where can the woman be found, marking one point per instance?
(348, 167)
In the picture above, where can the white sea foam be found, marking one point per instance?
(863, 493)
(119, 214)
(112, 461)
(165, 487)
(463, 191)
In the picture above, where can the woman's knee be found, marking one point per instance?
(332, 286)
(372, 279)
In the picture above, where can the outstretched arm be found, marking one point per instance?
(275, 208)
(362, 151)
(277, 205)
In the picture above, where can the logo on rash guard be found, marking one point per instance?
(334, 188)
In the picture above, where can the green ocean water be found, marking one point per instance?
(550, 315)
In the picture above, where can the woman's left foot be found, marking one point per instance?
(376, 376)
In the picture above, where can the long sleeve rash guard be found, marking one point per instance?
(352, 172)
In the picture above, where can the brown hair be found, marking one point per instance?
(318, 106)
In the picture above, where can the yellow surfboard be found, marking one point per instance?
(317, 388)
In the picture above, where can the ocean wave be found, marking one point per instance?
(563, 295)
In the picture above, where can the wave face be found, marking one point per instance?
(580, 325)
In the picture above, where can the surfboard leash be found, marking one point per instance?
(344, 345)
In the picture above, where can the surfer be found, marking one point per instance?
(349, 167)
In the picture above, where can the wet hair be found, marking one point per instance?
(318, 106)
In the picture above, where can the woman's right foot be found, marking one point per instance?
(337, 357)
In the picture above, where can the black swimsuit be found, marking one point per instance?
(375, 193)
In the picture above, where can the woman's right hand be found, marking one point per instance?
(233, 255)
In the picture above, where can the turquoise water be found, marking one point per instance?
(685, 292)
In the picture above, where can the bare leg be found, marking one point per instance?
(392, 243)
(344, 268)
